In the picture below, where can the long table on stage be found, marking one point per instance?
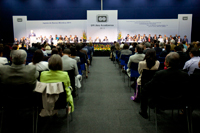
(102, 49)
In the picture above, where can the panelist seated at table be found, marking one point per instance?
(82, 40)
(71, 38)
(75, 39)
(97, 39)
(105, 39)
(129, 39)
(32, 34)
(90, 39)
(122, 39)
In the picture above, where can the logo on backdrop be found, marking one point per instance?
(19, 19)
(102, 18)
(185, 18)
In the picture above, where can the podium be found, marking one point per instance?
(32, 40)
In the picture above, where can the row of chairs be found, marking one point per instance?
(177, 102)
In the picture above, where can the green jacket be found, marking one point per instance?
(58, 76)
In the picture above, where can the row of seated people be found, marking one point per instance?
(52, 70)
(178, 68)
(164, 39)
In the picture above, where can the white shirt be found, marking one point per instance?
(192, 64)
(41, 66)
(3, 60)
(161, 40)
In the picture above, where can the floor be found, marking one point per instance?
(104, 106)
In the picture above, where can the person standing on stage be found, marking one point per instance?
(32, 34)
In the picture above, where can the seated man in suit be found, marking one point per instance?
(19, 73)
(75, 39)
(105, 39)
(153, 88)
(97, 39)
(90, 39)
(179, 39)
(127, 38)
(70, 64)
(185, 39)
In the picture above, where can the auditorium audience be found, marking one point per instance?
(153, 89)
(192, 64)
(38, 61)
(56, 74)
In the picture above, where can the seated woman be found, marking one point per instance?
(55, 74)
(38, 61)
(150, 63)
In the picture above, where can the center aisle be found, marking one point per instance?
(104, 104)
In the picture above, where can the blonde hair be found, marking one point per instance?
(47, 48)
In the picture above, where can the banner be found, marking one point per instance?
(102, 23)
(59, 27)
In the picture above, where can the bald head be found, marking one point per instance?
(19, 57)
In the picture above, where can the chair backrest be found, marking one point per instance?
(125, 58)
(134, 70)
(134, 66)
(147, 75)
(59, 104)
(72, 77)
(17, 95)
(193, 94)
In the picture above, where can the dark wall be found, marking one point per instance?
(77, 9)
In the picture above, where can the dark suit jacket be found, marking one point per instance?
(82, 56)
(75, 39)
(158, 50)
(185, 40)
(32, 34)
(32, 49)
(98, 40)
(183, 59)
(168, 83)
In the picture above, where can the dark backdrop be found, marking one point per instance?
(77, 9)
